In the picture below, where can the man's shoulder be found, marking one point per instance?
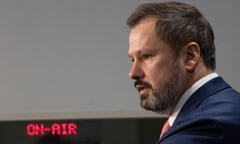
(215, 117)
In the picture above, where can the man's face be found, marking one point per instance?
(155, 70)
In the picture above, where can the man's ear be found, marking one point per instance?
(191, 56)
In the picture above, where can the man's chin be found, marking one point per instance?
(151, 107)
(147, 106)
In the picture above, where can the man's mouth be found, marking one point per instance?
(141, 89)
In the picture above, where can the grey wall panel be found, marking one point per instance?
(68, 58)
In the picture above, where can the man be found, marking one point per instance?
(171, 46)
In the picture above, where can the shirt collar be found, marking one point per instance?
(187, 94)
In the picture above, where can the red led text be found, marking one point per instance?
(35, 129)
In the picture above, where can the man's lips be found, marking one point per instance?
(141, 89)
(141, 86)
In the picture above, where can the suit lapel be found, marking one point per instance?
(210, 88)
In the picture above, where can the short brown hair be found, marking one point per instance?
(178, 24)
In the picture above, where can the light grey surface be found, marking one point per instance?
(70, 56)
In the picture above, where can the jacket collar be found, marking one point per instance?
(210, 88)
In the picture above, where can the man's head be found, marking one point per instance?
(171, 46)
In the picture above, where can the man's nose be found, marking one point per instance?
(136, 71)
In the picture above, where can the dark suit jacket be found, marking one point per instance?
(210, 116)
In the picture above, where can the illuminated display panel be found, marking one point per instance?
(88, 131)
(49, 132)
(61, 129)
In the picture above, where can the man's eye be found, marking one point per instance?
(147, 56)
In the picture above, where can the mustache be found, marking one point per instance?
(141, 82)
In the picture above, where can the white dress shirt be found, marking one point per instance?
(187, 94)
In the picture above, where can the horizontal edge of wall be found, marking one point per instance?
(79, 115)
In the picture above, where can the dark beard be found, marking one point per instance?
(167, 97)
